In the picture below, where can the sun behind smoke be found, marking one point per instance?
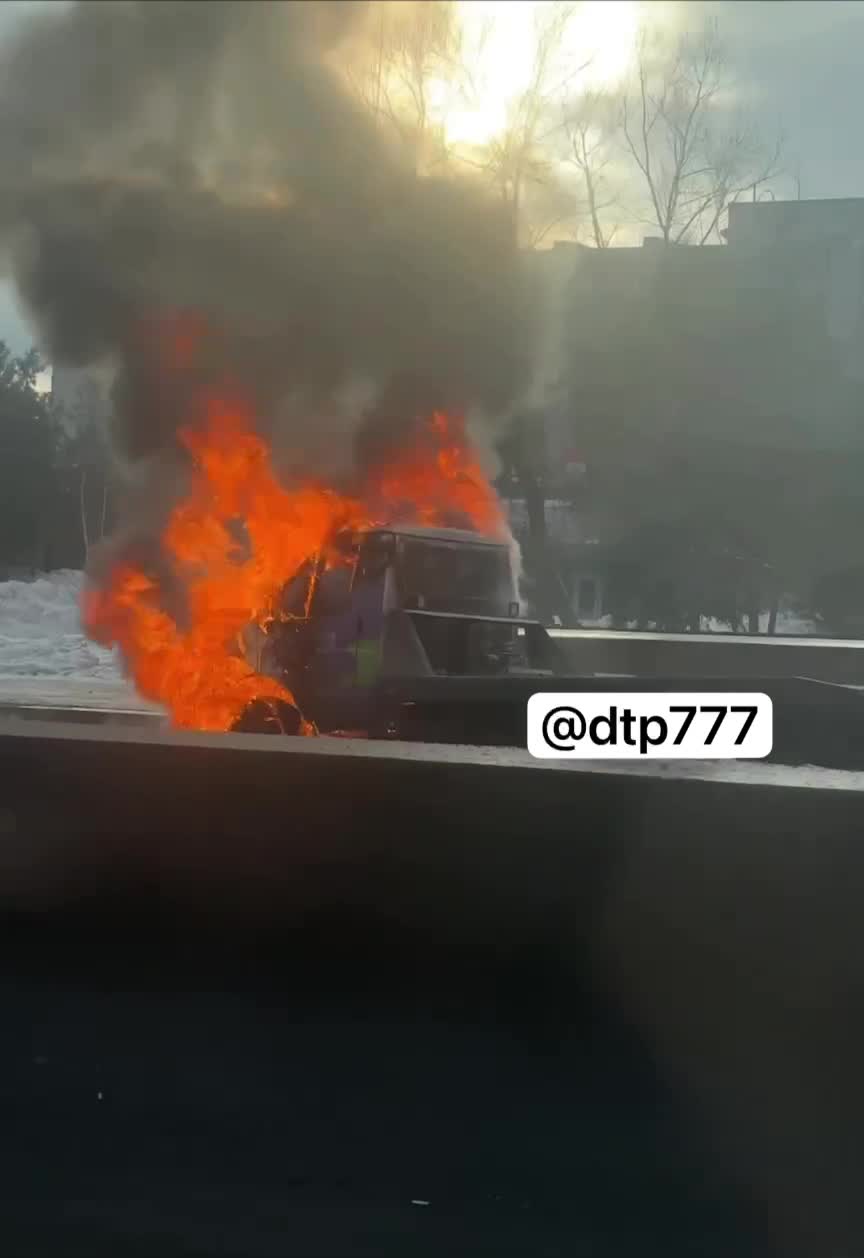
(500, 46)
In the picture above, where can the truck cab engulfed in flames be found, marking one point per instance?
(405, 603)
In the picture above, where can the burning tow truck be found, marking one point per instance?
(417, 635)
(369, 612)
(389, 607)
(399, 639)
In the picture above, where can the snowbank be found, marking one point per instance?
(41, 635)
(788, 622)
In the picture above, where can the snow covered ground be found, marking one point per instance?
(40, 631)
(45, 657)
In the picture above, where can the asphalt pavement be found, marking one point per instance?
(315, 1096)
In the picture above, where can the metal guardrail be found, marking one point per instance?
(715, 639)
(681, 654)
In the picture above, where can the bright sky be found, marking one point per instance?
(501, 40)
(774, 48)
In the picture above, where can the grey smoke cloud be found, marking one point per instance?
(210, 157)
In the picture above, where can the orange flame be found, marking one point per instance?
(438, 479)
(239, 536)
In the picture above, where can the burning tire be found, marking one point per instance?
(268, 716)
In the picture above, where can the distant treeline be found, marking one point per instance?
(54, 483)
(725, 543)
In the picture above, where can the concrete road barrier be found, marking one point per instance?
(717, 909)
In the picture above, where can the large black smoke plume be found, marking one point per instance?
(208, 161)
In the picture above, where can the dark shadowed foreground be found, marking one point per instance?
(246, 1117)
(278, 998)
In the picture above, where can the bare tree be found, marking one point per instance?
(693, 156)
(84, 453)
(414, 66)
(519, 159)
(415, 52)
(589, 131)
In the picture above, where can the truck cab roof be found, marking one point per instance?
(429, 534)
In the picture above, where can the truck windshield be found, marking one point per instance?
(454, 576)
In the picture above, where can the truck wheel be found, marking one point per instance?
(268, 716)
